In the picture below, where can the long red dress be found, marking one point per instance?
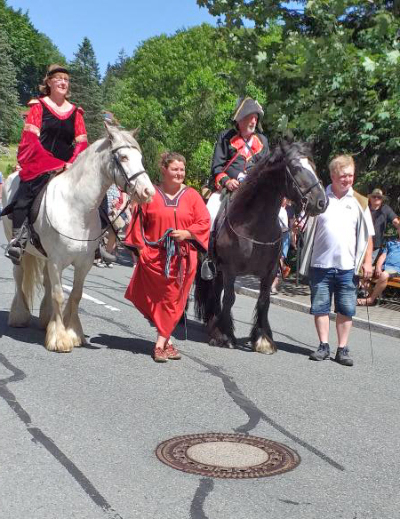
(160, 299)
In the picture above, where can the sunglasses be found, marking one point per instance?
(377, 196)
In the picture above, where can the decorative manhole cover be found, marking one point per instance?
(219, 455)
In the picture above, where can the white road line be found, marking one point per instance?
(93, 300)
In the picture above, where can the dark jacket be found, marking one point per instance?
(233, 156)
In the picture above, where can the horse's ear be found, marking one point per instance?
(135, 132)
(112, 131)
(288, 137)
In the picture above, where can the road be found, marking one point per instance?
(78, 431)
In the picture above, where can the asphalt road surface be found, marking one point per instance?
(78, 431)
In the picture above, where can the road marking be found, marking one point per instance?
(93, 300)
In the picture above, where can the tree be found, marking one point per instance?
(31, 52)
(179, 91)
(8, 92)
(330, 72)
(86, 90)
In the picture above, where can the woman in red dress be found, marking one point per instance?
(161, 281)
(54, 134)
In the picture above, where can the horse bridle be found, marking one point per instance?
(300, 192)
(120, 168)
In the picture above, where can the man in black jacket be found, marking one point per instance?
(237, 151)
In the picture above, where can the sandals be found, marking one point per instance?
(363, 302)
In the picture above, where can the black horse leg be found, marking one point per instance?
(261, 334)
(222, 332)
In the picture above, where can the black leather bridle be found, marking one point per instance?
(120, 168)
(302, 194)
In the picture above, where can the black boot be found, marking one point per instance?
(15, 249)
(208, 268)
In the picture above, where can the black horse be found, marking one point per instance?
(249, 239)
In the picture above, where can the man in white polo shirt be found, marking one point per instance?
(338, 248)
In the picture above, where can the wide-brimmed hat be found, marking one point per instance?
(247, 106)
(378, 193)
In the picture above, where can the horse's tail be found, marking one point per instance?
(204, 297)
(32, 281)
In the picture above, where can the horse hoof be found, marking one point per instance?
(265, 346)
(59, 342)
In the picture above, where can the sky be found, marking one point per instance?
(110, 25)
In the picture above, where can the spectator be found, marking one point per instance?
(337, 245)
(382, 215)
(284, 222)
(387, 267)
(1, 191)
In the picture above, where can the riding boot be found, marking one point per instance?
(15, 249)
(208, 268)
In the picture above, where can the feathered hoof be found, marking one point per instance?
(76, 339)
(19, 316)
(222, 342)
(59, 341)
(18, 322)
(265, 345)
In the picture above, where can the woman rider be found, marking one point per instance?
(53, 136)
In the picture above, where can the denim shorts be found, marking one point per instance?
(327, 282)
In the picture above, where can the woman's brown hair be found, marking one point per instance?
(169, 156)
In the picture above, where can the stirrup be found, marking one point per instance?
(208, 270)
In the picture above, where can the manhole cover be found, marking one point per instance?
(219, 455)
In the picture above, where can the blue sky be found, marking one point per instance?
(110, 25)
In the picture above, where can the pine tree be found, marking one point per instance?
(86, 90)
(8, 92)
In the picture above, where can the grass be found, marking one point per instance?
(7, 164)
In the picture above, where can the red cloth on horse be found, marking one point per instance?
(33, 158)
(159, 299)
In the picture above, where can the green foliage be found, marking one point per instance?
(330, 73)
(8, 159)
(179, 91)
(31, 52)
(8, 92)
(86, 90)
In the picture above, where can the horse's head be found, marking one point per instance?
(302, 184)
(128, 171)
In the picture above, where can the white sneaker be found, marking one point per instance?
(100, 264)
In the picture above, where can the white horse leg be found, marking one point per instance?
(57, 338)
(71, 318)
(46, 306)
(20, 314)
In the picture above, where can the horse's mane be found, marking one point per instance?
(266, 170)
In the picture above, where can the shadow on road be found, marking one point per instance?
(292, 348)
(113, 342)
(29, 335)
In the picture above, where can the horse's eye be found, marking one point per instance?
(123, 158)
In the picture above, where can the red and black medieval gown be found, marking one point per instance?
(49, 141)
(160, 299)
